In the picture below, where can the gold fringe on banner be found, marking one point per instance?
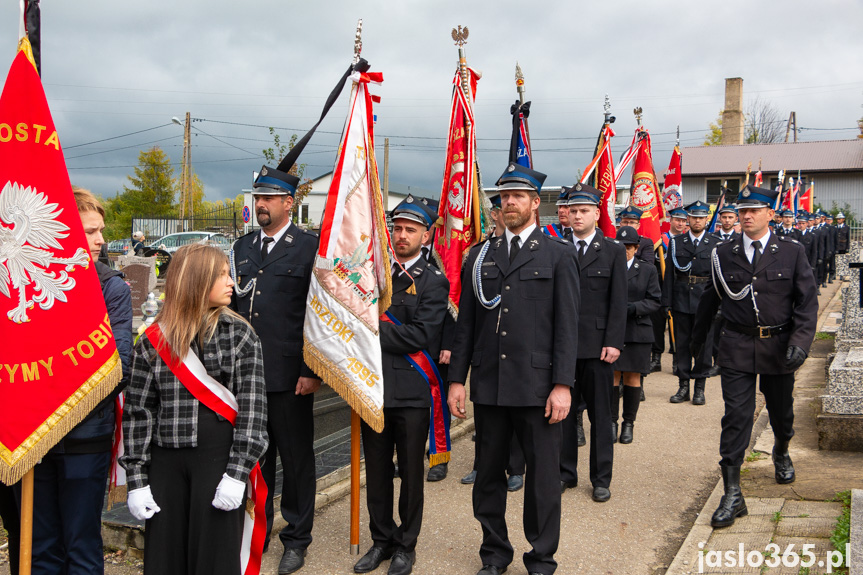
(438, 458)
(379, 214)
(330, 373)
(14, 464)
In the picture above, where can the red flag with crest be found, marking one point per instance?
(58, 354)
(645, 192)
(460, 211)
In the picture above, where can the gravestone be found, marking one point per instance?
(141, 277)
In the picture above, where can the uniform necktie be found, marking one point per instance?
(513, 248)
(567, 234)
(695, 242)
(396, 270)
(425, 253)
(756, 255)
(265, 247)
(582, 247)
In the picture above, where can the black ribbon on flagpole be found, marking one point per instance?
(32, 21)
(291, 158)
(517, 109)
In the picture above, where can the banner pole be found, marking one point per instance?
(355, 482)
(26, 557)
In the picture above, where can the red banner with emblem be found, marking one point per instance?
(460, 211)
(58, 358)
(645, 192)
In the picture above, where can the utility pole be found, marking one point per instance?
(386, 174)
(792, 119)
(186, 176)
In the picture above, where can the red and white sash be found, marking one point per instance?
(194, 377)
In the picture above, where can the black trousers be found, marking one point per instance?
(821, 272)
(10, 515)
(405, 429)
(540, 443)
(189, 536)
(717, 334)
(68, 490)
(516, 458)
(738, 392)
(594, 380)
(291, 427)
(831, 266)
(684, 323)
(659, 319)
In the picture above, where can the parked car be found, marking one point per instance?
(119, 247)
(172, 242)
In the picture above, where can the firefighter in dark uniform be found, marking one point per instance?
(766, 286)
(787, 228)
(631, 216)
(843, 235)
(516, 332)
(687, 271)
(420, 314)
(562, 229)
(643, 297)
(831, 241)
(677, 225)
(727, 219)
(807, 239)
(602, 269)
(824, 248)
(272, 269)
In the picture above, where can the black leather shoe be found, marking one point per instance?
(402, 563)
(514, 483)
(682, 393)
(782, 463)
(655, 362)
(437, 472)
(601, 494)
(698, 394)
(491, 570)
(614, 431)
(714, 371)
(732, 505)
(292, 560)
(564, 485)
(579, 429)
(372, 559)
(626, 432)
(469, 478)
(396, 471)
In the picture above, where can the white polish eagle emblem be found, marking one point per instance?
(28, 229)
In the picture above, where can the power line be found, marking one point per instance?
(115, 137)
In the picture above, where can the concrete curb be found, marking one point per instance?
(687, 556)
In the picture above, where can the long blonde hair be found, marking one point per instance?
(193, 273)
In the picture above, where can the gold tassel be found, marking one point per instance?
(438, 458)
(413, 289)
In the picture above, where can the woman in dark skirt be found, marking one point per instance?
(643, 298)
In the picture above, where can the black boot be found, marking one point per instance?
(655, 361)
(682, 393)
(579, 428)
(630, 411)
(782, 463)
(698, 394)
(615, 410)
(732, 505)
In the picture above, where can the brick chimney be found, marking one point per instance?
(732, 115)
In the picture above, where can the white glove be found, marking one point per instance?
(229, 494)
(141, 503)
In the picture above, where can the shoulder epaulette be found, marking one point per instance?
(311, 233)
(606, 238)
(786, 239)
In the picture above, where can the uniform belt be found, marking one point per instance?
(693, 279)
(762, 331)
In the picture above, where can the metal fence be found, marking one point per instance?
(222, 220)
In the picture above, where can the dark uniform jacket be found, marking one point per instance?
(843, 238)
(809, 241)
(422, 316)
(793, 233)
(784, 289)
(279, 296)
(823, 242)
(645, 296)
(682, 289)
(520, 349)
(603, 296)
(831, 240)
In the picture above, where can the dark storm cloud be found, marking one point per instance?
(111, 68)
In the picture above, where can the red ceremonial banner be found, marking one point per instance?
(460, 208)
(605, 183)
(58, 358)
(645, 192)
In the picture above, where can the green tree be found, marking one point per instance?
(714, 136)
(275, 154)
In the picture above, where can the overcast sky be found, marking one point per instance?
(111, 68)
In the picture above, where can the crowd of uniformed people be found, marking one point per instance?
(739, 302)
